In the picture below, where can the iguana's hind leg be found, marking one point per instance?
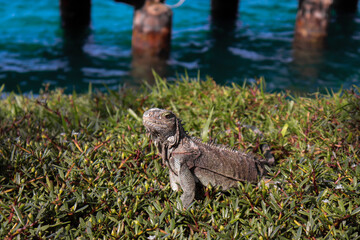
(188, 185)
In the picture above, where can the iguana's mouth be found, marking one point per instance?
(150, 130)
(151, 124)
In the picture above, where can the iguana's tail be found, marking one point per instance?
(265, 148)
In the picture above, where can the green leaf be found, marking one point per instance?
(284, 130)
(357, 210)
(163, 214)
(298, 233)
(19, 215)
(90, 89)
(205, 131)
(82, 208)
(64, 124)
(291, 105)
(45, 227)
(133, 114)
(273, 233)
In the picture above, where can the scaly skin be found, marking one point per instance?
(191, 161)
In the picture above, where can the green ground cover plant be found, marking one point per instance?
(80, 166)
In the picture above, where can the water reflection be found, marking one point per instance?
(34, 49)
(142, 69)
(222, 36)
(75, 57)
(307, 66)
(313, 62)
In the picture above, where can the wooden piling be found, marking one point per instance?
(152, 30)
(222, 11)
(75, 14)
(312, 21)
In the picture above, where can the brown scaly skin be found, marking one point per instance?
(191, 161)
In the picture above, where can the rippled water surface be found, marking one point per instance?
(34, 49)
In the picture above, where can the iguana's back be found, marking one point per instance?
(221, 166)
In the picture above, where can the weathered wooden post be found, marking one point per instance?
(222, 11)
(312, 21)
(151, 35)
(151, 39)
(346, 6)
(75, 14)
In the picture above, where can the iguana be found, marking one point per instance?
(191, 161)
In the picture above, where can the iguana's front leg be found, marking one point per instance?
(187, 183)
(181, 161)
(174, 180)
(181, 174)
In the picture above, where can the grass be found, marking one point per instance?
(81, 167)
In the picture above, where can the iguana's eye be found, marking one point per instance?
(168, 115)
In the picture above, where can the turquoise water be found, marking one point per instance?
(34, 49)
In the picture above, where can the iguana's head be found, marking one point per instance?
(162, 124)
